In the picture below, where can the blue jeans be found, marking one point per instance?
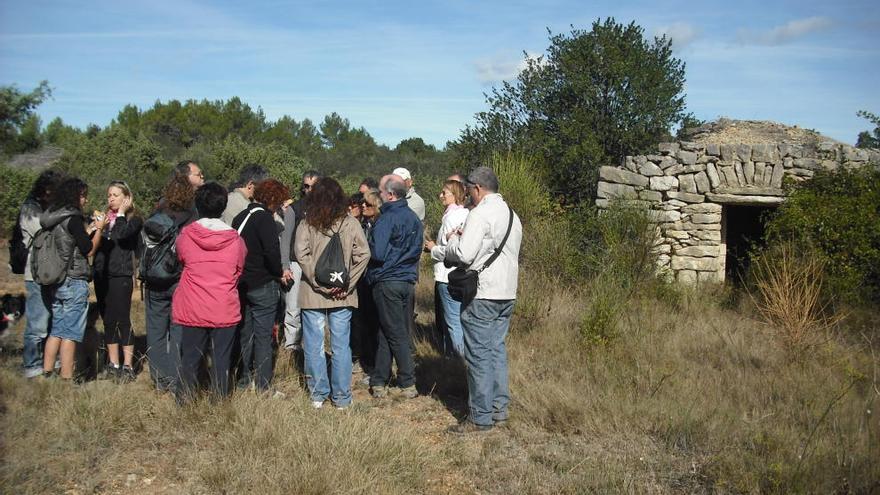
(452, 317)
(70, 305)
(258, 317)
(163, 339)
(485, 323)
(36, 329)
(338, 387)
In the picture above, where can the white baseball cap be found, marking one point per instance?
(403, 173)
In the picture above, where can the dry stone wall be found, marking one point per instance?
(686, 185)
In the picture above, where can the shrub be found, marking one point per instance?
(617, 248)
(16, 186)
(789, 293)
(838, 212)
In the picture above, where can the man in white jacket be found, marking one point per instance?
(486, 319)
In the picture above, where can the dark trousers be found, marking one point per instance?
(163, 338)
(195, 342)
(114, 306)
(393, 300)
(364, 328)
(258, 316)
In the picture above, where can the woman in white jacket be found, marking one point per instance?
(452, 196)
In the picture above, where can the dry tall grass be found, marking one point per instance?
(790, 295)
(687, 398)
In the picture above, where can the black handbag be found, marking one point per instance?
(463, 281)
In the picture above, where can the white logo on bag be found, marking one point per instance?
(336, 277)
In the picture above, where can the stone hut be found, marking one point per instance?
(705, 195)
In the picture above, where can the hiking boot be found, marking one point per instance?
(467, 426)
(409, 392)
(126, 375)
(379, 391)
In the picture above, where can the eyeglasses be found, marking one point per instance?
(198, 174)
(306, 186)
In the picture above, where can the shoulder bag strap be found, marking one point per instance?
(500, 246)
(244, 222)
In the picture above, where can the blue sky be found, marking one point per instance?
(405, 69)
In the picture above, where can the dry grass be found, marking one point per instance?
(790, 295)
(696, 399)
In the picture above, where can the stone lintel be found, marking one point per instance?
(750, 191)
(736, 199)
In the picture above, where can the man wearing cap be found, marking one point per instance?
(485, 320)
(413, 200)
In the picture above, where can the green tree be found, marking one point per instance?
(17, 111)
(595, 97)
(59, 133)
(868, 139)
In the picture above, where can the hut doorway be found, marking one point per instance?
(743, 230)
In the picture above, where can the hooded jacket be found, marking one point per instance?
(212, 255)
(73, 240)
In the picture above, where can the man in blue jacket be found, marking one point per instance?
(395, 247)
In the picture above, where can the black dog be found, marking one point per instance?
(13, 309)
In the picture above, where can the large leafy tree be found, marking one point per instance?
(19, 125)
(593, 98)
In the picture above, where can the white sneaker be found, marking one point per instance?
(279, 395)
(317, 404)
(33, 372)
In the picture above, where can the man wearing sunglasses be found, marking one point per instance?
(293, 214)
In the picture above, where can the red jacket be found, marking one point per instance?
(212, 254)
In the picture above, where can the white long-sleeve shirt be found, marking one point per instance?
(453, 219)
(483, 232)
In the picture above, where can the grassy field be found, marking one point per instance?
(694, 395)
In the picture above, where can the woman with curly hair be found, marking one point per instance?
(260, 283)
(114, 277)
(326, 214)
(70, 298)
(163, 336)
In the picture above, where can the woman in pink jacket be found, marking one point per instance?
(205, 303)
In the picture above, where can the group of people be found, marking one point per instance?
(251, 261)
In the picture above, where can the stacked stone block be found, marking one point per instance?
(685, 185)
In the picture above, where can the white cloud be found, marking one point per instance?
(681, 33)
(783, 34)
(495, 70)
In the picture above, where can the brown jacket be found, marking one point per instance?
(309, 245)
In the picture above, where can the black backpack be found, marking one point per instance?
(18, 250)
(331, 270)
(159, 266)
